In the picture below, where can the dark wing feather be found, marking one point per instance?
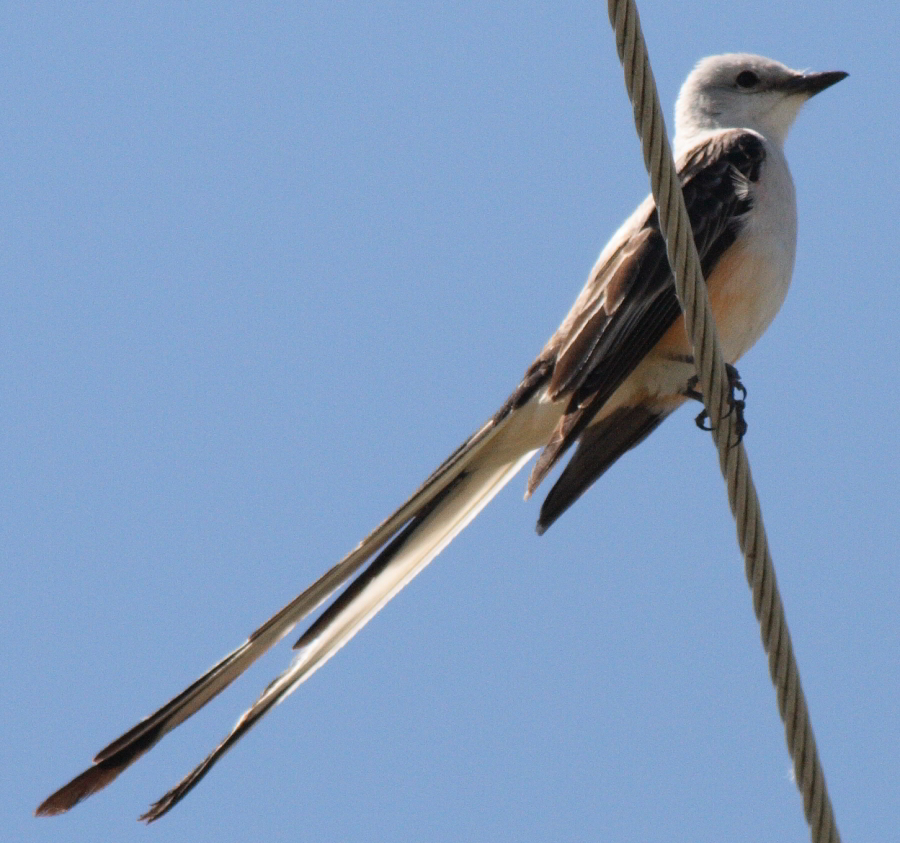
(598, 448)
(630, 302)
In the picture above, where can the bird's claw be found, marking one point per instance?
(735, 405)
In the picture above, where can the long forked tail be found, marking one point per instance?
(408, 540)
(410, 551)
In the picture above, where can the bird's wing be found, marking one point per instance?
(629, 302)
(599, 446)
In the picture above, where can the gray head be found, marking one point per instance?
(740, 90)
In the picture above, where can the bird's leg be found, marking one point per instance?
(735, 404)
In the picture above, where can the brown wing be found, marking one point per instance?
(629, 302)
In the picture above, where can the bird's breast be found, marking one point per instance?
(749, 283)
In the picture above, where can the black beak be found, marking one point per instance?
(814, 83)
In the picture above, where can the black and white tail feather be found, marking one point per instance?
(408, 540)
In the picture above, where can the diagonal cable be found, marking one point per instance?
(701, 329)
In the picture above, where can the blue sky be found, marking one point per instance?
(264, 268)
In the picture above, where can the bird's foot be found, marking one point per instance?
(736, 404)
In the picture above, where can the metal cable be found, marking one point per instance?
(701, 329)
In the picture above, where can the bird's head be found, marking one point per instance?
(740, 90)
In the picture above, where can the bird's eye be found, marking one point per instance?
(747, 79)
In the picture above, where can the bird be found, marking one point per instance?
(618, 365)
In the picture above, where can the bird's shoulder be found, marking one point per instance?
(715, 158)
(718, 173)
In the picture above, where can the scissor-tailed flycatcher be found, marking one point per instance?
(616, 367)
